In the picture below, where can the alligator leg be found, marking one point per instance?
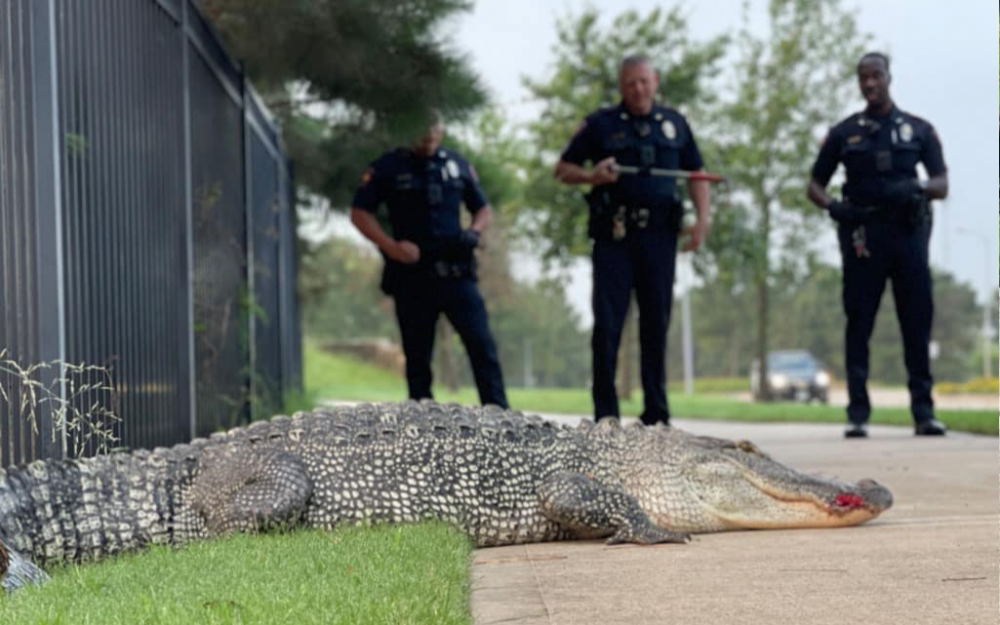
(248, 489)
(17, 571)
(586, 506)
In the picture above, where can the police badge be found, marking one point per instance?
(453, 169)
(906, 132)
(669, 131)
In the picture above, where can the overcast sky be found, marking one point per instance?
(945, 68)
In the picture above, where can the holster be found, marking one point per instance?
(611, 221)
(918, 213)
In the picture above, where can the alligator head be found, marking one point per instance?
(710, 484)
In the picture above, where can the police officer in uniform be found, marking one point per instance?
(634, 223)
(884, 227)
(430, 262)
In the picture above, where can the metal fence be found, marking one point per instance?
(146, 227)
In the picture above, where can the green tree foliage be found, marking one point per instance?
(341, 299)
(349, 78)
(585, 78)
(786, 84)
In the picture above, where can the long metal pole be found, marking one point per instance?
(668, 173)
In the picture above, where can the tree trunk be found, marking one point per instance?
(763, 271)
(764, 387)
(735, 351)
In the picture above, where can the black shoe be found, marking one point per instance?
(856, 430)
(930, 428)
(653, 419)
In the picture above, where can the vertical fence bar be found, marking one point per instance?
(188, 383)
(48, 195)
(248, 208)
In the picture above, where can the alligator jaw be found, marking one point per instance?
(741, 490)
(850, 505)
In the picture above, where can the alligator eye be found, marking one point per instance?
(850, 502)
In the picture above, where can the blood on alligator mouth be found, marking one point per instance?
(849, 501)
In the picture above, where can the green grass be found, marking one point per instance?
(396, 575)
(329, 376)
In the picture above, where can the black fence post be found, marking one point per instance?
(188, 368)
(49, 230)
(248, 207)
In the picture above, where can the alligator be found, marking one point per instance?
(501, 476)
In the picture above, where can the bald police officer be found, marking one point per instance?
(430, 263)
(884, 227)
(634, 223)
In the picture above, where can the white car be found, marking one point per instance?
(793, 375)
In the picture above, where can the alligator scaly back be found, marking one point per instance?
(500, 476)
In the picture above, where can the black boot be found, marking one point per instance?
(930, 428)
(856, 430)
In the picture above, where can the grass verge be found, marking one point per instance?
(333, 376)
(405, 575)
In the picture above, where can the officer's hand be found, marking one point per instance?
(469, 239)
(604, 172)
(405, 252)
(841, 212)
(696, 235)
(904, 192)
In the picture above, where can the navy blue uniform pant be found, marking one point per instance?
(419, 303)
(872, 255)
(645, 261)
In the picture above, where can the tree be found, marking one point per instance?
(349, 79)
(585, 78)
(786, 84)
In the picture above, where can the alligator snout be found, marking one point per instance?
(875, 495)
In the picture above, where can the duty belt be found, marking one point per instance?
(451, 269)
(625, 217)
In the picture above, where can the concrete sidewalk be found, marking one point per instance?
(930, 560)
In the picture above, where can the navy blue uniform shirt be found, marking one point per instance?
(661, 139)
(423, 194)
(876, 151)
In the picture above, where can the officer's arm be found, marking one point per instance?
(817, 193)
(368, 225)
(700, 193)
(932, 157)
(603, 173)
(482, 219)
(937, 187)
(822, 170)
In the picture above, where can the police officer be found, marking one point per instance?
(430, 262)
(884, 227)
(634, 223)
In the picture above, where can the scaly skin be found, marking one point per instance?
(502, 477)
